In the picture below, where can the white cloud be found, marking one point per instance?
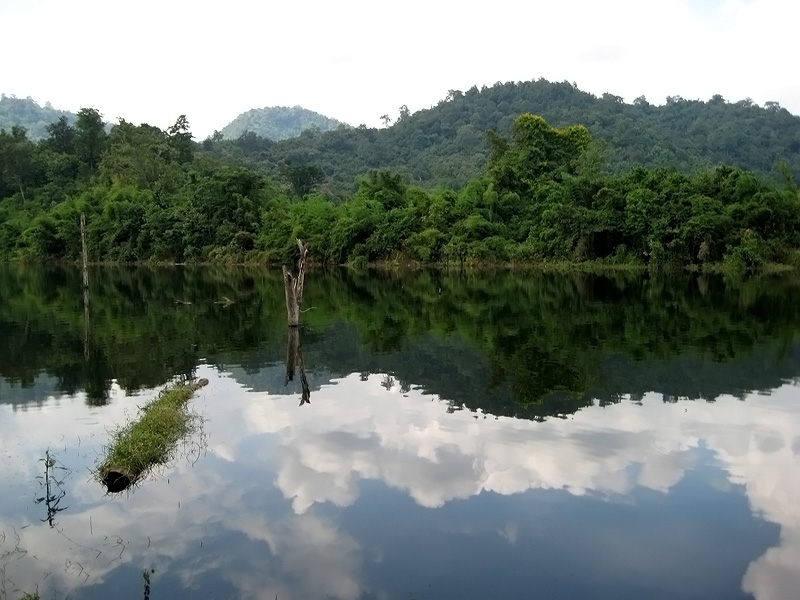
(356, 60)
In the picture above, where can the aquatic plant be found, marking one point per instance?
(149, 441)
(53, 488)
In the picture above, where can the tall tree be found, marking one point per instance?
(136, 155)
(536, 149)
(90, 137)
(16, 160)
(61, 136)
(303, 178)
(180, 140)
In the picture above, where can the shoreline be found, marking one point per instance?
(545, 266)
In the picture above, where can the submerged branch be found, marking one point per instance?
(294, 361)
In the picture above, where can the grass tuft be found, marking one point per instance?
(148, 442)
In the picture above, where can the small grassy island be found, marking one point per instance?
(544, 197)
(141, 445)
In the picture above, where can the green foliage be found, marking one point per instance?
(140, 156)
(90, 138)
(445, 145)
(179, 139)
(41, 238)
(535, 151)
(147, 196)
(141, 445)
(18, 168)
(426, 246)
(303, 178)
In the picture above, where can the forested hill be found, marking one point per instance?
(446, 144)
(27, 113)
(146, 194)
(278, 122)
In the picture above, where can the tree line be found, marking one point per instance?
(543, 195)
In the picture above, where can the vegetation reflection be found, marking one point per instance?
(528, 345)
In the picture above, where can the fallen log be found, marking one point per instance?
(143, 444)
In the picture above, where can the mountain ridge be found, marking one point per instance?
(278, 122)
(30, 114)
(446, 144)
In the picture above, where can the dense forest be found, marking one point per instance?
(276, 123)
(543, 195)
(445, 145)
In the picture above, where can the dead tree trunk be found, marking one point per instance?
(86, 324)
(294, 361)
(21, 191)
(84, 253)
(293, 286)
(85, 256)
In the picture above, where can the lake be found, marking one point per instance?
(478, 435)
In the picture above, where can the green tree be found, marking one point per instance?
(61, 136)
(537, 150)
(180, 140)
(90, 138)
(16, 161)
(140, 156)
(303, 178)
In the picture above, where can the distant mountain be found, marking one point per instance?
(278, 122)
(26, 112)
(446, 144)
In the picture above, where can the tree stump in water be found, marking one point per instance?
(293, 286)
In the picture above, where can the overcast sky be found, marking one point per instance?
(355, 60)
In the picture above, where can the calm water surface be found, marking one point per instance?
(467, 436)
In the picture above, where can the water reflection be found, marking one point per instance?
(527, 346)
(295, 362)
(256, 514)
(430, 463)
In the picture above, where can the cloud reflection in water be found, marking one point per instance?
(260, 513)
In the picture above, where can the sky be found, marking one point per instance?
(355, 60)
